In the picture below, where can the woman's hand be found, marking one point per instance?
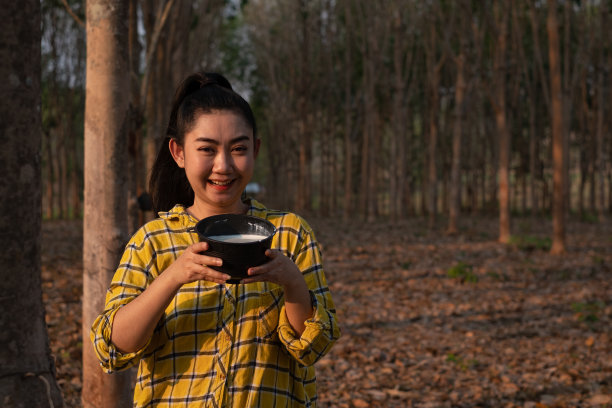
(134, 323)
(283, 271)
(192, 266)
(279, 269)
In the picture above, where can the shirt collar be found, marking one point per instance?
(179, 212)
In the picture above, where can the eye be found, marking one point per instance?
(240, 149)
(206, 149)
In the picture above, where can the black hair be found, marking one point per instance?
(199, 93)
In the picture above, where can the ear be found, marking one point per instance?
(256, 147)
(178, 153)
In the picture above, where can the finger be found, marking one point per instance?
(252, 279)
(199, 247)
(258, 270)
(214, 276)
(272, 253)
(209, 274)
(205, 260)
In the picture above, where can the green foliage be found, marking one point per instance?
(460, 362)
(588, 312)
(406, 265)
(497, 276)
(531, 243)
(598, 261)
(590, 218)
(463, 272)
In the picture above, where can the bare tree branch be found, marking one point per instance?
(159, 25)
(73, 14)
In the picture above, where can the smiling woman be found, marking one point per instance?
(200, 339)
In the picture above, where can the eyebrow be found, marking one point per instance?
(216, 142)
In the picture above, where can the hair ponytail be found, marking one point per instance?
(198, 93)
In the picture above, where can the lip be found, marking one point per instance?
(221, 187)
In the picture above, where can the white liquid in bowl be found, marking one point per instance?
(238, 238)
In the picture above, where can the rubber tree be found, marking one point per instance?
(27, 373)
(105, 223)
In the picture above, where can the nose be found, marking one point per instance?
(223, 162)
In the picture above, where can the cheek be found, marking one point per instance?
(196, 166)
(246, 163)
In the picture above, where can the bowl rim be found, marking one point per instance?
(213, 218)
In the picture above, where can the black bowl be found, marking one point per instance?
(237, 257)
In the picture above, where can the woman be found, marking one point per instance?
(200, 341)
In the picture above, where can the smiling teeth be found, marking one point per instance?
(220, 183)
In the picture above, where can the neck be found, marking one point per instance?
(202, 210)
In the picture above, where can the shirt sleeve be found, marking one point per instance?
(131, 278)
(322, 330)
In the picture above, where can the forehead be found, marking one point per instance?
(222, 118)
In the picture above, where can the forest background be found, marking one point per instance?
(369, 109)
(431, 116)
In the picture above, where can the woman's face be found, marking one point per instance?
(218, 156)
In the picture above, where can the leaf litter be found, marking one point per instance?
(428, 320)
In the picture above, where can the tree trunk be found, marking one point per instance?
(348, 207)
(74, 187)
(533, 159)
(27, 372)
(455, 185)
(105, 229)
(583, 147)
(601, 109)
(61, 170)
(48, 150)
(304, 197)
(365, 149)
(503, 128)
(556, 92)
(567, 99)
(432, 172)
(599, 159)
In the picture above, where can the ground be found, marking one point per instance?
(427, 320)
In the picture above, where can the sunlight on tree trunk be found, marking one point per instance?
(105, 227)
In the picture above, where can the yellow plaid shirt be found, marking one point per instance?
(220, 345)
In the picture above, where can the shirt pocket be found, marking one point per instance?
(270, 303)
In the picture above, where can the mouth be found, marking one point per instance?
(220, 184)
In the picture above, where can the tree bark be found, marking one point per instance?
(556, 92)
(601, 112)
(501, 120)
(27, 372)
(50, 175)
(348, 207)
(533, 158)
(105, 228)
(434, 68)
(599, 159)
(455, 184)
